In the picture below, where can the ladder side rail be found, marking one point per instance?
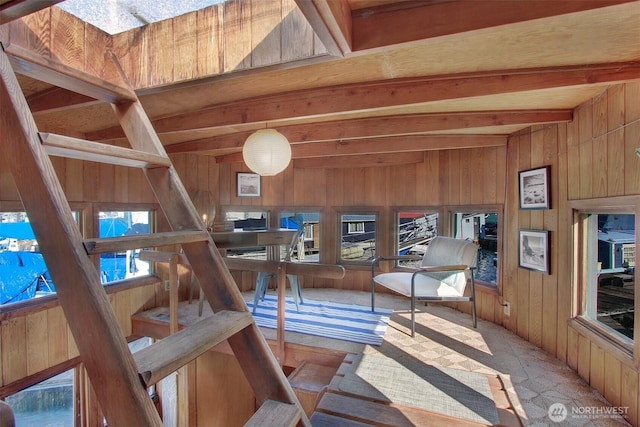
(102, 345)
(249, 345)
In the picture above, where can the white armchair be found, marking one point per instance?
(446, 268)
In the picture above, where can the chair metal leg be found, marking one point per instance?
(294, 283)
(473, 298)
(262, 281)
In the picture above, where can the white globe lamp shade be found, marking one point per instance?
(267, 152)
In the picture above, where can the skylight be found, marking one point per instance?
(116, 16)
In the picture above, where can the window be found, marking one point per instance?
(481, 227)
(355, 227)
(123, 265)
(358, 236)
(607, 263)
(308, 248)
(48, 403)
(23, 272)
(414, 230)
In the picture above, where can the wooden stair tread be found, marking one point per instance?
(119, 244)
(381, 414)
(275, 414)
(320, 419)
(160, 359)
(47, 70)
(75, 148)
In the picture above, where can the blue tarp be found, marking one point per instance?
(20, 274)
(16, 230)
(115, 227)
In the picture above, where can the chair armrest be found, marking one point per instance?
(442, 268)
(375, 261)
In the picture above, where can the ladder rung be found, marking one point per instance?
(119, 244)
(58, 74)
(275, 414)
(166, 356)
(74, 148)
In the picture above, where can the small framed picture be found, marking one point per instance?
(534, 189)
(533, 250)
(248, 184)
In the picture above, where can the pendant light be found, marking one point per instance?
(267, 152)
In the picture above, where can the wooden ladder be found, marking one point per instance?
(118, 377)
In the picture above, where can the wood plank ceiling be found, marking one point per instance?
(403, 76)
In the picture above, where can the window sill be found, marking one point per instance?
(616, 346)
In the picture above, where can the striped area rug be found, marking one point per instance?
(348, 322)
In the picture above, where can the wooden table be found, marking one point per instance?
(272, 238)
(250, 238)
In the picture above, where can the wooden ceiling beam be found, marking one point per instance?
(382, 126)
(413, 22)
(389, 93)
(331, 21)
(375, 146)
(16, 9)
(366, 160)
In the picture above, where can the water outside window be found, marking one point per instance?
(46, 404)
(481, 227)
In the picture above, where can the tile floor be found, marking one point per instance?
(534, 379)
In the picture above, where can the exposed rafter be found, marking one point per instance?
(382, 127)
(333, 101)
(410, 22)
(16, 9)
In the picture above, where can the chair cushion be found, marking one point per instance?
(426, 286)
(449, 251)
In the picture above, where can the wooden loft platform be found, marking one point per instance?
(321, 372)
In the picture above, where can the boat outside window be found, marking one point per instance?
(123, 265)
(481, 227)
(358, 236)
(23, 272)
(415, 229)
(608, 251)
(307, 248)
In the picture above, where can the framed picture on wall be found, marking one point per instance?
(534, 188)
(248, 184)
(533, 250)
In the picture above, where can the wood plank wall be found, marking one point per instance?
(166, 52)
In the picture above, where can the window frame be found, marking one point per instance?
(309, 231)
(448, 225)
(151, 209)
(602, 334)
(357, 212)
(397, 210)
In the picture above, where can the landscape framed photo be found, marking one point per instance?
(533, 250)
(534, 188)
(248, 184)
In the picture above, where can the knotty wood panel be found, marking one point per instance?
(35, 339)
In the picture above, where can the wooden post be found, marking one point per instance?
(282, 288)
